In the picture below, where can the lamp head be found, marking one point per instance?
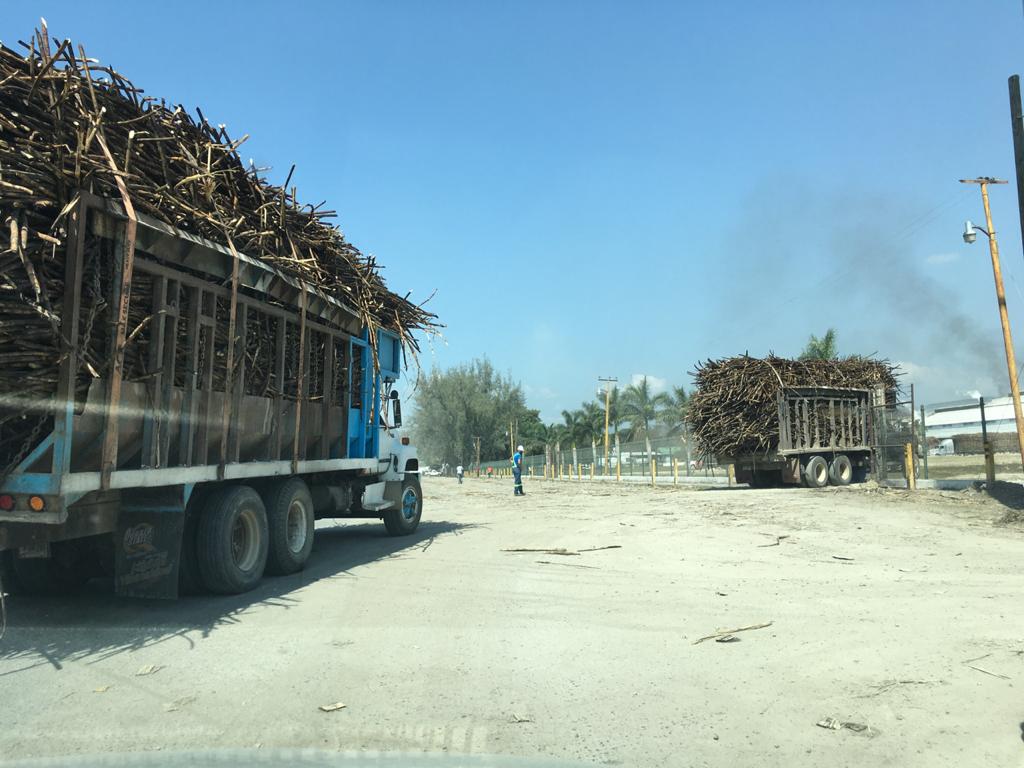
(970, 235)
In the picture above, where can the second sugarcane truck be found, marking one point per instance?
(824, 438)
(173, 483)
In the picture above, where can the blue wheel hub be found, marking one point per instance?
(409, 502)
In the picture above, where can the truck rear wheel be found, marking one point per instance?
(405, 519)
(290, 521)
(816, 472)
(840, 471)
(231, 540)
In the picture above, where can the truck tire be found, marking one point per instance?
(840, 470)
(231, 540)
(290, 522)
(405, 519)
(816, 472)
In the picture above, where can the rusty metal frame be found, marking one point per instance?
(186, 434)
(300, 388)
(277, 428)
(154, 385)
(64, 417)
(230, 373)
(122, 298)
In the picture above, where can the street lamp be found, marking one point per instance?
(969, 234)
(1004, 318)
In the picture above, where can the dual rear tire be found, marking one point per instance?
(818, 472)
(240, 534)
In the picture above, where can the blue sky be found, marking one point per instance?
(627, 188)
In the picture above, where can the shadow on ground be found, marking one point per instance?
(1010, 495)
(95, 624)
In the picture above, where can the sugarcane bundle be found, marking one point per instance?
(734, 408)
(67, 124)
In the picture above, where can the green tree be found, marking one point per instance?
(824, 348)
(574, 427)
(642, 408)
(467, 401)
(676, 406)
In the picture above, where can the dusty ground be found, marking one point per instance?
(973, 467)
(443, 641)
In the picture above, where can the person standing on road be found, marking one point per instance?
(517, 471)
(458, 472)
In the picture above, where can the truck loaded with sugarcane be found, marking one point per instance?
(805, 422)
(194, 366)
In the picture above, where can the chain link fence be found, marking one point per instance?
(663, 458)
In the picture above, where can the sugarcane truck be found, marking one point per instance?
(824, 439)
(172, 484)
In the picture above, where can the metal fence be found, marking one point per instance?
(664, 457)
(893, 428)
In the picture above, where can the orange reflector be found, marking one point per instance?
(37, 503)
(405, 441)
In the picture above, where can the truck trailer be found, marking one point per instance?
(823, 439)
(266, 404)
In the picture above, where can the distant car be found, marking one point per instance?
(433, 473)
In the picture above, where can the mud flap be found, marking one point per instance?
(147, 547)
(791, 472)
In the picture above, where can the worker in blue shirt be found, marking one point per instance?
(517, 471)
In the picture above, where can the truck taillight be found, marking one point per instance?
(6, 502)
(37, 503)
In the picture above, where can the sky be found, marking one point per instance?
(627, 188)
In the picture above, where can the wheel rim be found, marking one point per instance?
(845, 472)
(245, 536)
(409, 504)
(296, 532)
(820, 473)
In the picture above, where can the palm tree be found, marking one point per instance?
(577, 429)
(593, 420)
(557, 434)
(674, 415)
(615, 411)
(641, 408)
(615, 419)
(824, 348)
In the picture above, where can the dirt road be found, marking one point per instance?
(898, 613)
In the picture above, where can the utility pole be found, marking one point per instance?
(1004, 319)
(608, 381)
(1017, 128)
(476, 442)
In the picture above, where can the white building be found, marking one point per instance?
(963, 417)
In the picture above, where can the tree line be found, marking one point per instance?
(471, 403)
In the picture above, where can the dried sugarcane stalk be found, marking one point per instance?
(734, 408)
(58, 110)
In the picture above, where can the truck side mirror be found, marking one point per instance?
(396, 410)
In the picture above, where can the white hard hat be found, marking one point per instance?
(519, 448)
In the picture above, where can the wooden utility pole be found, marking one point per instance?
(608, 380)
(1017, 127)
(1004, 319)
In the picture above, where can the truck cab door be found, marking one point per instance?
(359, 405)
